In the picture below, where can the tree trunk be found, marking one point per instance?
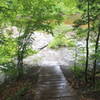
(96, 51)
(87, 44)
(22, 44)
(20, 64)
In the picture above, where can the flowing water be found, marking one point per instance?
(48, 56)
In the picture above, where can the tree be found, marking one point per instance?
(84, 5)
(96, 52)
(90, 17)
(29, 16)
(87, 42)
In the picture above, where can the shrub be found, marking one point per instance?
(9, 69)
(61, 40)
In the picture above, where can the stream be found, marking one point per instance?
(48, 56)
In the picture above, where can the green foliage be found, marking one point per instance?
(69, 6)
(97, 85)
(61, 40)
(62, 29)
(9, 69)
(7, 49)
(79, 72)
(29, 52)
(81, 33)
(60, 36)
(98, 54)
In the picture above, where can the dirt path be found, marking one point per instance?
(52, 85)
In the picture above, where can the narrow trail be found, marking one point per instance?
(52, 85)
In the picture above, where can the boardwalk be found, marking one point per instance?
(52, 85)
